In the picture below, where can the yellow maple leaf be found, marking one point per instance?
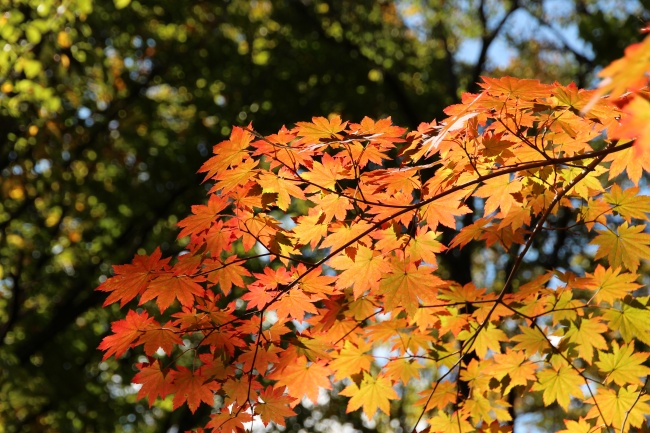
(351, 360)
(631, 321)
(375, 392)
(559, 385)
(627, 247)
(455, 423)
(629, 203)
(611, 407)
(515, 365)
(587, 336)
(531, 340)
(623, 365)
(580, 426)
(611, 285)
(489, 338)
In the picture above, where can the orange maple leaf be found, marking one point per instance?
(635, 124)
(203, 216)
(303, 379)
(228, 153)
(274, 406)
(226, 422)
(320, 129)
(125, 333)
(362, 269)
(131, 280)
(169, 287)
(406, 284)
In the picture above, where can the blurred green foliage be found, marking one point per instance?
(108, 108)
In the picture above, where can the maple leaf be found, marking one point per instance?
(203, 216)
(169, 287)
(192, 387)
(314, 283)
(587, 336)
(342, 234)
(260, 359)
(630, 161)
(362, 270)
(237, 390)
(325, 175)
(611, 285)
(499, 193)
(125, 333)
(515, 88)
(131, 280)
(580, 426)
(227, 273)
(489, 337)
(445, 210)
(228, 153)
(632, 321)
(514, 365)
(455, 423)
(155, 382)
(225, 422)
(374, 392)
(487, 409)
(623, 366)
(626, 73)
(303, 379)
(259, 296)
(311, 229)
(403, 369)
(313, 348)
(559, 385)
(320, 129)
(470, 233)
(273, 406)
(334, 206)
(424, 246)
(230, 179)
(635, 124)
(296, 304)
(629, 203)
(442, 394)
(613, 407)
(164, 338)
(351, 360)
(406, 284)
(284, 185)
(627, 247)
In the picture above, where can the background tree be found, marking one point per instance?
(107, 109)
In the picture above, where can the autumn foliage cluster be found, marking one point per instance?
(345, 219)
